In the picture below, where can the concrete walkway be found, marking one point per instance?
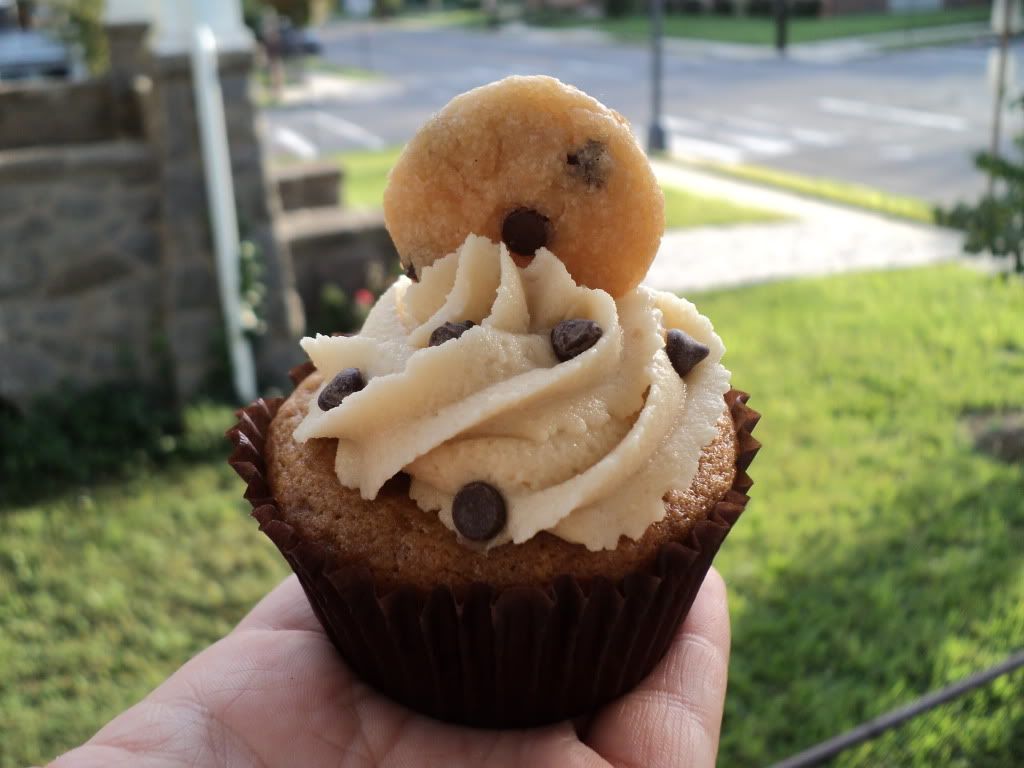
(822, 239)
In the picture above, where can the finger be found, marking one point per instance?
(675, 715)
(286, 607)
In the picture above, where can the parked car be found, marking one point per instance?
(299, 41)
(28, 53)
(289, 41)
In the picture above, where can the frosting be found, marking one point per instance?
(585, 449)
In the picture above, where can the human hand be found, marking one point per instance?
(274, 692)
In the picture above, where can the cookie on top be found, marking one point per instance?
(534, 163)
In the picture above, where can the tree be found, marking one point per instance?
(81, 22)
(301, 13)
(995, 224)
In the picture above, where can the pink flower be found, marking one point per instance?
(364, 297)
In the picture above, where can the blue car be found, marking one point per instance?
(28, 53)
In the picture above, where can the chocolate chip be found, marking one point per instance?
(524, 231)
(410, 272)
(684, 352)
(344, 384)
(590, 163)
(449, 331)
(478, 511)
(572, 337)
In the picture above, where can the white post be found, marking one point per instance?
(225, 20)
(175, 20)
(1011, 18)
(221, 196)
(172, 27)
(129, 12)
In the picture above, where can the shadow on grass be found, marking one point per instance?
(61, 443)
(928, 593)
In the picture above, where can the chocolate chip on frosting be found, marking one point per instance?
(573, 337)
(525, 230)
(341, 386)
(478, 511)
(684, 351)
(449, 331)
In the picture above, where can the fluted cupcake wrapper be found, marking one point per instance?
(491, 657)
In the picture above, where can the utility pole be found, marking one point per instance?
(781, 22)
(656, 133)
(997, 112)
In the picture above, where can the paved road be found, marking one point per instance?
(904, 122)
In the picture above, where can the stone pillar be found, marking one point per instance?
(192, 315)
(259, 215)
(126, 43)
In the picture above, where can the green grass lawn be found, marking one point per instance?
(366, 176)
(747, 29)
(452, 17)
(880, 557)
(320, 64)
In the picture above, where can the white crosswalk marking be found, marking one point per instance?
(880, 112)
(688, 147)
(816, 138)
(348, 130)
(294, 142)
(761, 145)
(735, 138)
(683, 124)
(751, 124)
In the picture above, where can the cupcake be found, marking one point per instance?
(503, 494)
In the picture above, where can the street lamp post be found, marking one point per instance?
(1003, 24)
(656, 133)
(781, 20)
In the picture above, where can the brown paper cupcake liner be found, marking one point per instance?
(490, 657)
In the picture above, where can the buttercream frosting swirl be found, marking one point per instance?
(585, 449)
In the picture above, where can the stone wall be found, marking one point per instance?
(45, 113)
(350, 249)
(79, 267)
(107, 265)
(190, 299)
(309, 185)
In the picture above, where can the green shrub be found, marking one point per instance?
(617, 9)
(80, 22)
(66, 439)
(995, 224)
(301, 13)
(337, 312)
(387, 8)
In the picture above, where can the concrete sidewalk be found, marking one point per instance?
(822, 239)
(835, 50)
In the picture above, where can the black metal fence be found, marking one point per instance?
(912, 716)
